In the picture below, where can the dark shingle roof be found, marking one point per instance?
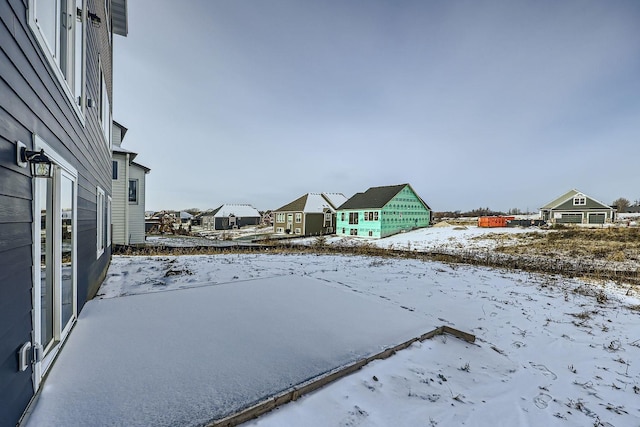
(297, 205)
(373, 198)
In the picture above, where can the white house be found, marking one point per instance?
(128, 189)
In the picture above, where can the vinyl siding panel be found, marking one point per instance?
(136, 210)
(32, 101)
(119, 202)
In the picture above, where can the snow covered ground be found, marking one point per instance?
(549, 350)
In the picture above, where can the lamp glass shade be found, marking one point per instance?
(41, 169)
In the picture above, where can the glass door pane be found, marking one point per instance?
(66, 248)
(46, 263)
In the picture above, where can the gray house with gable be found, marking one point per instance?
(575, 207)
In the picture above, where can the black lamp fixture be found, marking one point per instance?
(41, 165)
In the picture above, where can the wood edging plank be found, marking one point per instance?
(322, 380)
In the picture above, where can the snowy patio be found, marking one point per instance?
(181, 340)
(194, 355)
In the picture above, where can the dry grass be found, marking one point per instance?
(615, 244)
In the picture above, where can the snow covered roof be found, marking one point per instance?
(315, 203)
(239, 210)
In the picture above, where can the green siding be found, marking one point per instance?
(590, 204)
(403, 212)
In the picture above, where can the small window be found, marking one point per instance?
(366, 216)
(133, 191)
(114, 174)
(370, 233)
(353, 217)
(298, 231)
(375, 216)
(298, 217)
(579, 200)
(353, 232)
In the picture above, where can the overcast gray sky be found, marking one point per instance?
(505, 104)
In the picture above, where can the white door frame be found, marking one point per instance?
(61, 169)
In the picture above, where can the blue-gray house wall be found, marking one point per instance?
(33, 102)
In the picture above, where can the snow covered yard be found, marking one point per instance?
(549, 350)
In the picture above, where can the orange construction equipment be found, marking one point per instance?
(494, 221)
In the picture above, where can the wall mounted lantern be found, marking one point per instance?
(41, 166)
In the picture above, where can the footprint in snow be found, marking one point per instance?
(356, 417)
(544, 370)
(542, 400)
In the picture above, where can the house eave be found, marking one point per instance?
(119, 17)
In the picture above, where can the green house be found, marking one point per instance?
(575, 207)
(382, 211)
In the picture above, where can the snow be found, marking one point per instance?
(316, 203)
(180, 340)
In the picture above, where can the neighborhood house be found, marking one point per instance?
(230, 216)
(382, 211)
(128, 183)
(309, 215)
(575, 207)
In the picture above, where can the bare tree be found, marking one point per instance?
(622, 204)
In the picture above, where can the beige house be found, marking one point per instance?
(128, 188)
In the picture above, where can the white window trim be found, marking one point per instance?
(298, 217)
(109, 207)
(51, 56)
(579, 200)
(100, 199)
(103, 93)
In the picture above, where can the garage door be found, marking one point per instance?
(570, 218)
(597, 218)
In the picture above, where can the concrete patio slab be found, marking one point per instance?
(191, 356)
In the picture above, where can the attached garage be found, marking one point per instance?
(570, 218)
(597, 218)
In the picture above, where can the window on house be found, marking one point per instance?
(105, 109)
(114, 173)
(100, 234)
(370, 233)
(375, 216)
(280, 217)
(366, 216)
(579, 200)
(58, 26)
(298, 217)
(353, 231)
(133, 191)
(298, 231)
(353, 217)
(279, 230)
(342, 217)
(328, 219)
